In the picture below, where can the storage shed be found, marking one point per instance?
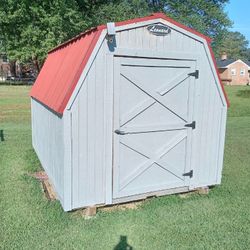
(129, 110)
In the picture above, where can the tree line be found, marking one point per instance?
(30, 28)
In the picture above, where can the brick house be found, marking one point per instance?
(16, 71)
(233, 72)
(4, 68)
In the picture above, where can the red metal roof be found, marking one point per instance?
(65, 63)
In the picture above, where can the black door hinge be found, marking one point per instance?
(190, 173)
(191, 125)
(195, 74)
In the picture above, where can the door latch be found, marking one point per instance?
(120, 132)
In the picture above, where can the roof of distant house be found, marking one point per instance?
(226, 62)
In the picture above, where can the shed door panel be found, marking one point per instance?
(152, 106)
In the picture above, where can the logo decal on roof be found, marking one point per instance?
(159, 29)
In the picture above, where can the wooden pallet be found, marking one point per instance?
(47, 187)
(49, 190)
(91, 211)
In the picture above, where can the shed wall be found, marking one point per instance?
(47, 138)
(91, 117)
(209, 114)
(88, 137)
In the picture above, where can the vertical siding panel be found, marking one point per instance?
(160, 43)
(67, 157)
(216, 137)
(99, 146)
(75, 150)
(91, 134)
(138, 38)
(123, 39)
(145, 38)
(177, 41)
(207, 129)
(223, 117)
(118, 39)
(197, 111)
(211, 131)
(168, 40)
(132, 38)
(152, 40)
(203, 171)
(185, 41)
(83, 144)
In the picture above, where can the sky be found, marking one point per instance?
(239, 12)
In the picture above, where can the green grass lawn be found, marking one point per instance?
(220, 220)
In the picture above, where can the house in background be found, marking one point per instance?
(16, 71)
(233, 71)
(4, 68)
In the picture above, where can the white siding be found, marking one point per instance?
(47, 138)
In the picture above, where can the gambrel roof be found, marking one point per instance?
(65, 63)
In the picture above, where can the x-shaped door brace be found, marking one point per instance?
(156, 96)
(152, 157)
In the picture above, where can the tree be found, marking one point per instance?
(206, 16)
(101, 12)
(31, 28)
(235, 45)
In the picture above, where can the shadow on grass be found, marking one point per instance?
(123, 244)
(244, 93)
(1, 135)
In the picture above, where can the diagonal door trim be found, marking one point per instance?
(157, 97)
(138, 109)
(152, 158)
(174, 82)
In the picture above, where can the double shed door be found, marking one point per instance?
(153, 122)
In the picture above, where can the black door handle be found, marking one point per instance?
(119, 132)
